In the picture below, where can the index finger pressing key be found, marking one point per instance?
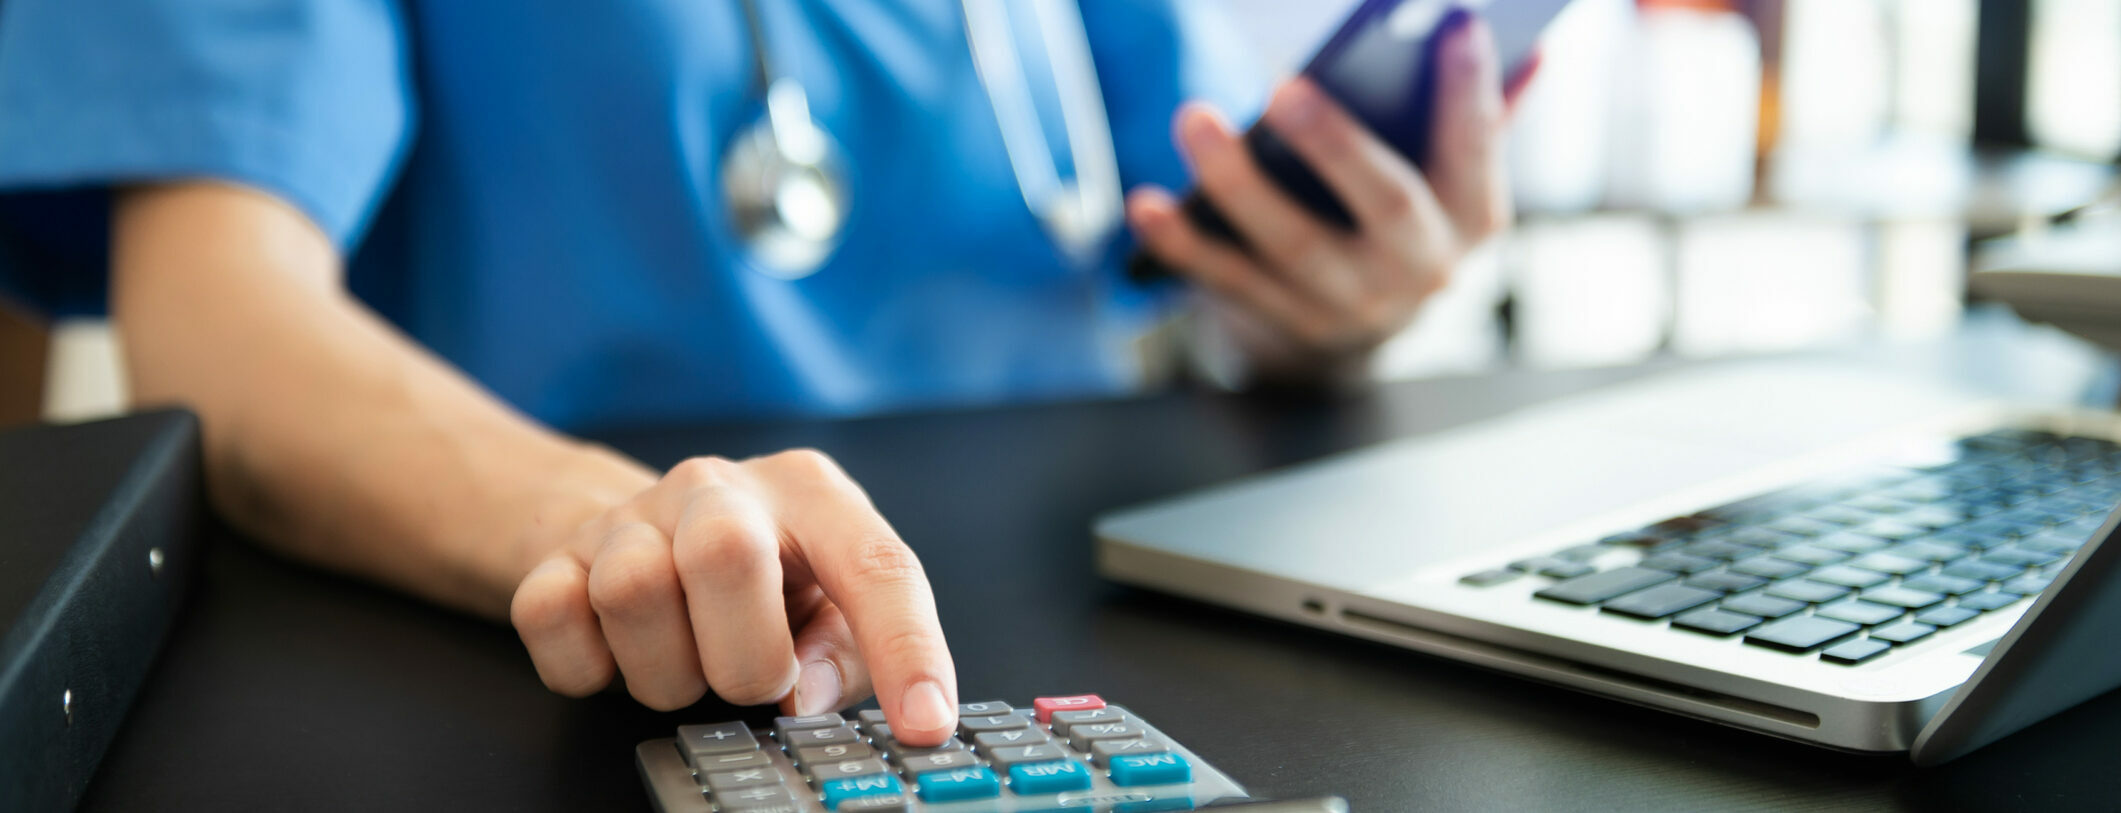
(879, 584)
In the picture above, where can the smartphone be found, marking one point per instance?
(1378, 65)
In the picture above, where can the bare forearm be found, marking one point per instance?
(328, 434)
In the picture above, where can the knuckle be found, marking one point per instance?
(723, 545)
(539, 606)
(886, 559)
(628, 585)
(703, 472)
(809, 463)
(1393, 203)
(582, 680)
(907, 646)
(666, 698)
(748, 688)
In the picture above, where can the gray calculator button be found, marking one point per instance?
(719, 738)
(998, 722)
(705, 764)
(871, 717)
(727, 781)
(879, 733)
(900, 752)
(823, 771)
(938, 761)
(837, 735)
(812, 754)
(759, 799)
(991, 740)
(1102, 751)
(783, 726)
(884, 803)
(1005, 757)
(1081, 735)
(1065, 720)
(983, 709)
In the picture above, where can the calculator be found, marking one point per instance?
(1073, 753)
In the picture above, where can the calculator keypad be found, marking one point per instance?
(1061, 753)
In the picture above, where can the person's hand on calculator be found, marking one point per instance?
(1310, 298)
(770, 579)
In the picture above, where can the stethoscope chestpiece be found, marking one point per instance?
(785, 182)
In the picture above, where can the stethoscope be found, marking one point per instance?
(784, 178)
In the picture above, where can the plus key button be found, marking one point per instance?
(1046, 706)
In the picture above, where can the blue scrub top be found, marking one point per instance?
(531, 189)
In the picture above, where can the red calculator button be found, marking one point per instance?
(1046, 706)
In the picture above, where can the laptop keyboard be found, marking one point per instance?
(1856, 565)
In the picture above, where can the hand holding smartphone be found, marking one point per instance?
(1380, 66)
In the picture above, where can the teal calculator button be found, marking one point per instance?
(1048, 777)
(959, 784)
(1150, 769)
(840, 790)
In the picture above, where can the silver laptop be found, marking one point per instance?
(1806, 549)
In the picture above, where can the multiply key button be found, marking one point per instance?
(719, 738)
(1046, 706)
(727, 781)
(988, 708)
(1017, 754)
(1150, 769)
(811, 754)
(960, 784)
(838, 792)
(704, 764)
(1102, 751)
(826, 771)
(837, 735)
(1034, 778)
(939, 761)
(1065, 720)
(991, 740)
(1082, 734)
(998, 722)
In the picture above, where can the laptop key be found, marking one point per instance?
(1718, 549)
(1678, 562)
(1946, 616)
(1809, 592)
(1856, 611)
(1768, 567)
(1845, 576)
(1985, 602)
(1565, 570)
(2055, 542)
(1905, 632)
(1582, 553)
(2016, 556)
(1851, 542)
(1602, 586)
(1488, 578)
(1811, 555)
(2027, 585)
(1800, 634)
(1931, 550)
(1715, 622)
(1903, 597)
(1983, 571)
(1854, 652)
(1940, 583)
(1762, 605)
(1726, 582)
(1660, 601)
(1890, 563)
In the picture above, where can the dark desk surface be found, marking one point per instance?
(288, 689)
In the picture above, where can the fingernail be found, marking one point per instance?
(1297, 106)
(1200, 133)
(818, 690)
(1469, 43)
(923, 707)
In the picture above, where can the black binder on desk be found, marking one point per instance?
(99, 528)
